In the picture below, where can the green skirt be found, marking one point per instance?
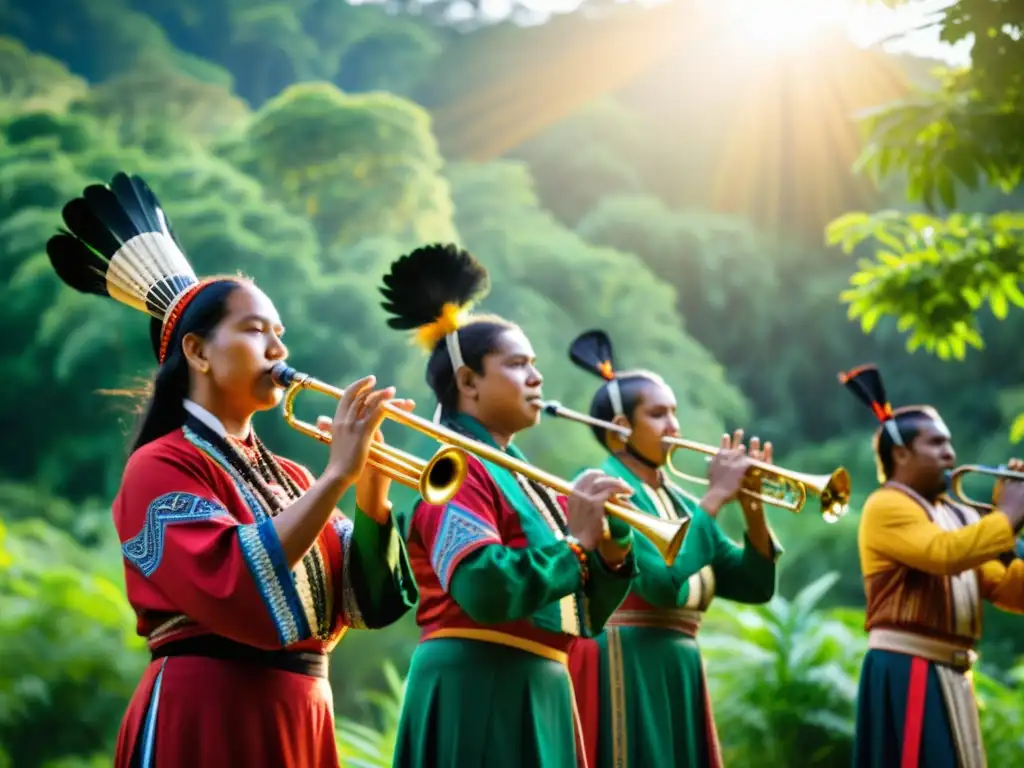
(653, 701)
(471, 704)
(882, 713)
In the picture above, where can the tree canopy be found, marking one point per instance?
(936, 270)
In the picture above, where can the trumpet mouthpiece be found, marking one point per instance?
(283, 374)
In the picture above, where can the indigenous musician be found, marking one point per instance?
(241, 571)
(509, 573)
(927, 563)
(654, 704)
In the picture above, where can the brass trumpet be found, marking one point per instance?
(956, 479)
(834, 489)
(438, 479)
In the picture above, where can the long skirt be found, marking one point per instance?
(471, 704)
(199, 712)
(904, 708)
(655, 709)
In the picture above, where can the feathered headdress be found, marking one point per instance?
(592, 351)
(431, 292)
(118, 243)
(866, 384)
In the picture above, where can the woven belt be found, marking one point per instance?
(679, 619)
(930, 648)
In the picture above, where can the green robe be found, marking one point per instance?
(655, 709)
(470, 704)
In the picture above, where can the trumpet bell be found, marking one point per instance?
(835, 495)
(667, 536)
(789, 490)
(443, 475)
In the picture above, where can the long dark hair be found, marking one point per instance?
(592, 351)
(425, 290)
(164, 411)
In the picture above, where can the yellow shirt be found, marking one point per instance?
(925, 570)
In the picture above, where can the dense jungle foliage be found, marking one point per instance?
(674, 192)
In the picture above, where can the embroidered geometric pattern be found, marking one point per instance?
(351, 614)
(263, 554)
(210, 450)
(262, 551)
(146, 549)
(461, 531)
(315, 596)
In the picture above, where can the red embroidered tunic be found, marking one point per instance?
(202, 557)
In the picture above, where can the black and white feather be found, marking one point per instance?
(117, 242)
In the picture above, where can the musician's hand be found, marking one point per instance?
(1014, 465)
(356, 421)
(372, 487)
(726, 473)
(585, 509)
(756, 453)
(1009, 496)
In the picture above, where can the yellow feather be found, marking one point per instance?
(452, 318)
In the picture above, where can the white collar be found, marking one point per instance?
(205, 416)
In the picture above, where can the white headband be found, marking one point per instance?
(451, 341)
(454, 351)
(615, 395)
(893, 430)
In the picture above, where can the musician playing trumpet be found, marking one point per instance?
(241, 571)
(654, 704)
(927, 563)
(510, 573)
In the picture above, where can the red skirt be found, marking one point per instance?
(193, 711)
(585, 670)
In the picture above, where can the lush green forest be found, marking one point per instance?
(674, 192)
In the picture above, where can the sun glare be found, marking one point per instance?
(780, 24)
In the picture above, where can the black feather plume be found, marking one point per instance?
(592, 351)
(865, 382)
(420, 283)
